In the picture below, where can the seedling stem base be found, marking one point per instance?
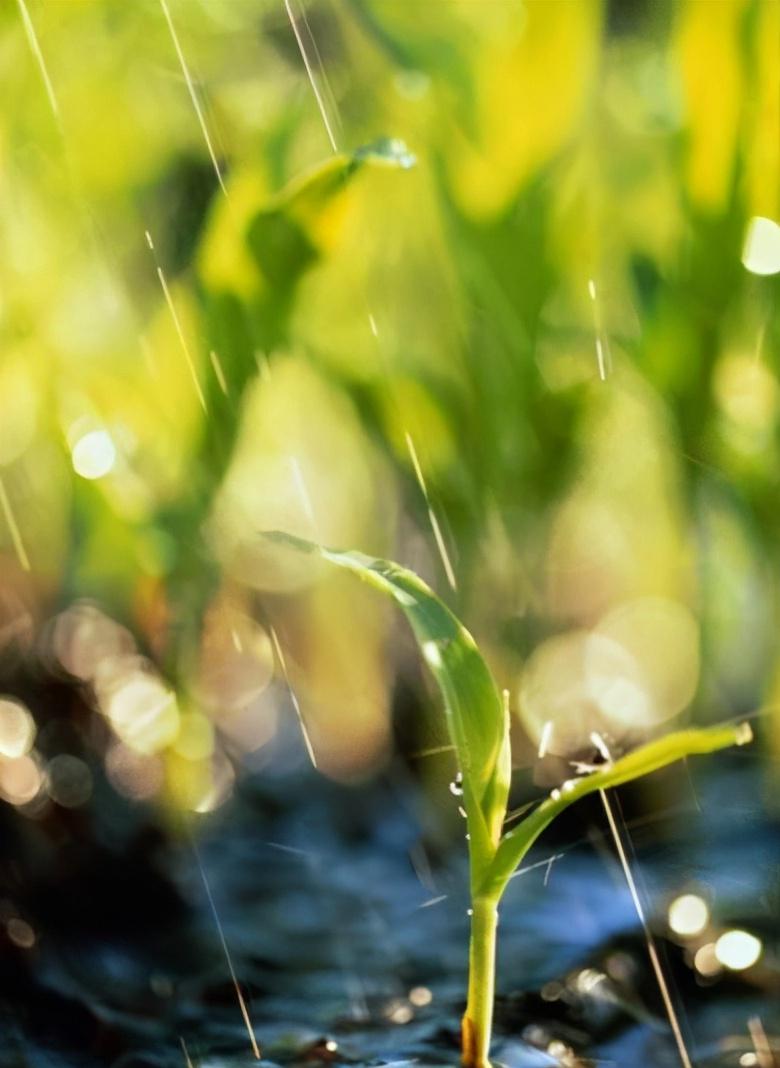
(478, 1018)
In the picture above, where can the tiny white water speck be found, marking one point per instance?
(430, 651)
(544, 741)
(744, 734)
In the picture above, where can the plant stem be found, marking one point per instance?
(478, 1018)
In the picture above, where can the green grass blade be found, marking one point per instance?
(656, 754)
(476, 717)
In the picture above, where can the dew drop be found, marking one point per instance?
(743, 734)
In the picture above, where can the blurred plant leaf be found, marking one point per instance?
(247, 321)
(290, 232)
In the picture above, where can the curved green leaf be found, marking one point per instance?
(656, 754)
(477, 721)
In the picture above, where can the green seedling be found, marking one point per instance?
(478, 722)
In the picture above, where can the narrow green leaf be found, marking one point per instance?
(475, 714)
(650, 757)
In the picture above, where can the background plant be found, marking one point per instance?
(548, 314)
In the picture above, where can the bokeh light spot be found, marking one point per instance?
(17, 728)
(69, 781)
(738, 950)
(20, 933)
(94, 454)
(132, 774)
(143, 712)
(706, 962)
(20, 780)
(688, 914)
(761, 251)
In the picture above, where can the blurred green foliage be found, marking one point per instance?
(548, 313)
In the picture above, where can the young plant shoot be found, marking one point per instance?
(478, 723)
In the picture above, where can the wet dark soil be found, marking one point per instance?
(347, 932)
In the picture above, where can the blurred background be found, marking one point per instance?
(487, 288)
